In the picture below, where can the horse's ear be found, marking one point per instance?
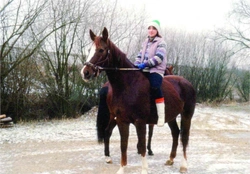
(171, 69)
(105, 34)
(92, 35)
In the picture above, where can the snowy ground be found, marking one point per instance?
(219, 143)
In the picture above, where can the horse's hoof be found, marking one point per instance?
(150, 153)
(108, 160)
(183, 170)
(120, 171)
(169, 163)
(144, 171)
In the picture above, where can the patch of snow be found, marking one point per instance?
(219, 143)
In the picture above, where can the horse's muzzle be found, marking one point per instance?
(88, 73)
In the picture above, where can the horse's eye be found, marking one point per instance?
(101, 50)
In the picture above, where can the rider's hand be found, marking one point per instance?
(141, 65)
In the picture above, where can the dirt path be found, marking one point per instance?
(219, 143)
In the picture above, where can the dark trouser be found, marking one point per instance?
(155, 80)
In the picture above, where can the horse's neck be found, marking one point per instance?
(121, 79)
(119, 58)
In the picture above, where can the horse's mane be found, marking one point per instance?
(114, 50)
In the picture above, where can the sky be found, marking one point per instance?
(190, 15)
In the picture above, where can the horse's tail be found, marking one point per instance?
(102, 115)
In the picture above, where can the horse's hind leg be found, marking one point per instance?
(150, 134)
(108, 133)
(185, 128)
(175, 131)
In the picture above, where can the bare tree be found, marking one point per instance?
(21, 38)
(203, 61)
(238, 30)
(238, 35)
(16, 48)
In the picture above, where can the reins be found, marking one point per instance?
(96, 67)
(120, 69)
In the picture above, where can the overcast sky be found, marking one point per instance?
(194, 15)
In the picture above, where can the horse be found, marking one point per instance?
(130, 101)
(102, 121)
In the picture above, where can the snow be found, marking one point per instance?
(219, 143)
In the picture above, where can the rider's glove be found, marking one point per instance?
(141, 66)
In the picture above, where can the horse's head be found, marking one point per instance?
(98, 55)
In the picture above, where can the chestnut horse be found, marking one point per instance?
(130, 101)
(102, 121)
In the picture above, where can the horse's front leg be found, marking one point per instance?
(124, 133)
(141, 134)
(108, 133)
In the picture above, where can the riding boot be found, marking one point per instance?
(160, 106)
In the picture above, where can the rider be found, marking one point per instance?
(153, 56)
